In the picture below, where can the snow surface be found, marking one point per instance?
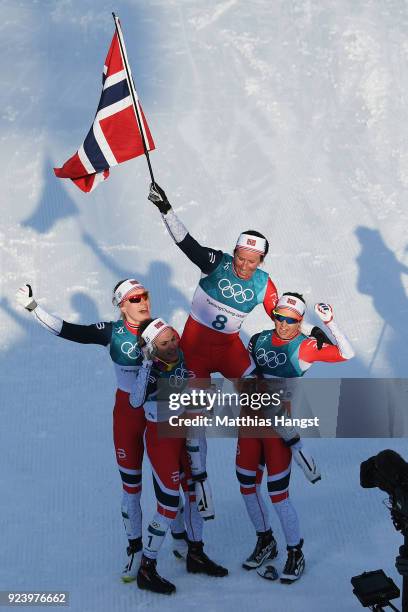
(286, 116)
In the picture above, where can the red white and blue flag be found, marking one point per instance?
(114, 136)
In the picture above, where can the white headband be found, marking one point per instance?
(290, 302)
(252, 243)
(153, 330)
(124, 289)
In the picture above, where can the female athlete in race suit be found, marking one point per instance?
(229, 289)
(120, 337)
(164, 371)
(296, 354)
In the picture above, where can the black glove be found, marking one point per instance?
(158, 196)
(320, 336)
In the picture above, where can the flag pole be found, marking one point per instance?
(132, 92)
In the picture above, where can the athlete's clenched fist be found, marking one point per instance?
(324, 312)
(157, 195)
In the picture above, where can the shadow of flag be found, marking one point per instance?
(53, 205)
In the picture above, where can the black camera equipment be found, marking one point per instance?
(389, 472)
(375, 589)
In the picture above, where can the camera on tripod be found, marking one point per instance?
(389, 472)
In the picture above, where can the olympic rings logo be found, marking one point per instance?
(180, 374)
(130, 350)
(235, 291)
(272, 359)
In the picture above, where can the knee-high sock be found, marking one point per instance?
(257, 510)
(192, 519)
(132, 514)
(156, 532)
(289, 521)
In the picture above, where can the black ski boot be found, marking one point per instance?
(150, 580)
(130, 570)
(295, 564)
(266, 548)
(199, 563)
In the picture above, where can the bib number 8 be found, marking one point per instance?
(219, 322)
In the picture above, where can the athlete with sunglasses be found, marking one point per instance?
(121, 338)
(285, 353)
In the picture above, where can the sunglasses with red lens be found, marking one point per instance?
(281, 318)
(136, 299)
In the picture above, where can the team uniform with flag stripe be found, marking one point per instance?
(222, 301)
(128, 424)
(276, 358)
(168, 455)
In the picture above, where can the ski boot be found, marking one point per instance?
(266, 548)
(149, 580)
(295, 564)
(199, 563)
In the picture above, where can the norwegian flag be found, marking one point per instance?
(114, 136)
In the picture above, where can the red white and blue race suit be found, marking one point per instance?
(167, 453)
(274, 357)
(221, 302)
(129, 424)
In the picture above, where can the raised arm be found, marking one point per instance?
(205, 258)
(340, 351)
(97, 333)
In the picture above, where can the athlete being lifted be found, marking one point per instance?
(297, 354)
(231, 286)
